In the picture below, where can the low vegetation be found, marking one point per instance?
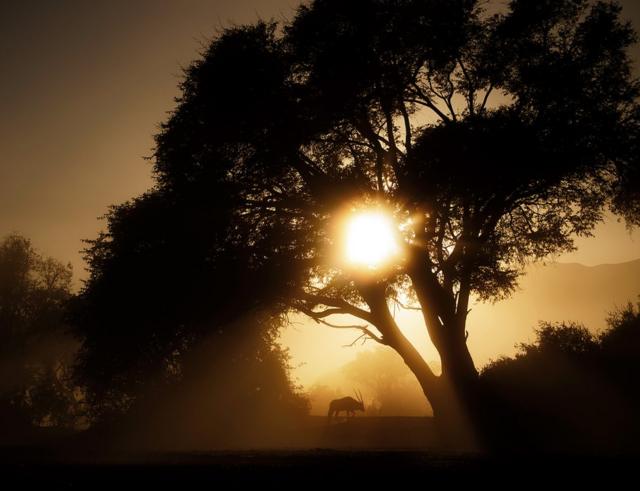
(572, 387)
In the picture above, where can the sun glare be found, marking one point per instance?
(370, 239)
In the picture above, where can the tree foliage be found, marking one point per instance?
(35, 345)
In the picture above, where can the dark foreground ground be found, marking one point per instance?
(324, 468)
(367, 452)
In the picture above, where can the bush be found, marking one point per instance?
(571, 389)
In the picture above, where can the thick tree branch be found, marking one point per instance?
(407, 127)
(375, 296)
(363, 125)
(486, 98)
(313, 177)
(462, 307)
(470, 95)
(319, 317)
(404, 306)
(447, 99)
(339, 306)
(393, 150)
(426, 101)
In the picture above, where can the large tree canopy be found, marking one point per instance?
(491, 139)
(164, 304)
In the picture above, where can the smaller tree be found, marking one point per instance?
(568, 338)
(386, 379)
(622, 338)
(35, 347)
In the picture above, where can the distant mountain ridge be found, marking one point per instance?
(553, 292)
(604, 265)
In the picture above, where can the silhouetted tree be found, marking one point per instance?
(493, 139)
(35, 346)
(161, 290)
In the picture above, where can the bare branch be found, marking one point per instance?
(363, 125)
(470, 96)
(393, 150)
(339, 305)
(365, 337)
(341, 326)
(350, 345)
(318, 315)
(486, 98)
(407, 127)
(426, 101)
(431, 106)
(447, 99)
(365, 330)
(404, 306)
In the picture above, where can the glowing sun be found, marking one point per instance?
(370, 239)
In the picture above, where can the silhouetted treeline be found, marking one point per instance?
(136, 358)
(36, 349)
(571, 389)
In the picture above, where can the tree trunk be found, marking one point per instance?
(454, 394)
(461, 402)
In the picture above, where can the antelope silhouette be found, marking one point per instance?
(347, 404)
